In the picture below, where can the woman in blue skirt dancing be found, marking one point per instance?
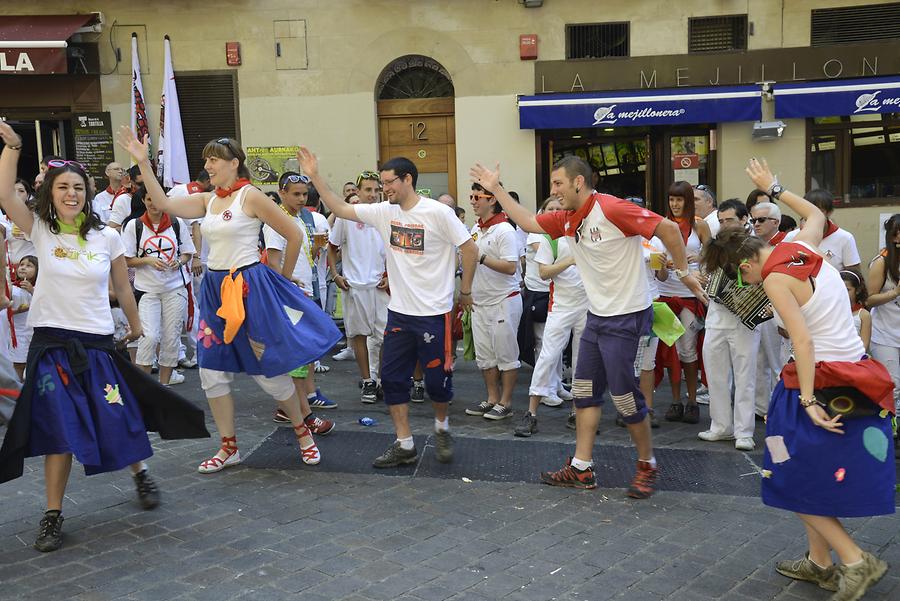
(80, 397)
(819, 464)
(253, 320)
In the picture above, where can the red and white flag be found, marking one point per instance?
(171, 164)
(139, 122)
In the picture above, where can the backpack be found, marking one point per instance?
(139, 231)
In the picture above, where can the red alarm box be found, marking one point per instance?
(528, 47)
(233, 54)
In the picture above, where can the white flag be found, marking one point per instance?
(139, 122)
(171, 165)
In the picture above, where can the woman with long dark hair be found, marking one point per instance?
(253, 319)
(822, 460)
(80, 398)
(883, 286)
(689, 309)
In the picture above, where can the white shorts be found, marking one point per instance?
(217, 383)
(495, 332)
(647, 354)
(364, 310)
(686, 345)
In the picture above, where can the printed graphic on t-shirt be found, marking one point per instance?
(160, 247)
(408, 237)
(61, 252)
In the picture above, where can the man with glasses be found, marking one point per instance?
(766, 217)
(362, 270)
(121, 207)
(421, 236)
(705, 207)
(102, 203)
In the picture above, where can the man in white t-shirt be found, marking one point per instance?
(121, 207)
(102, 203)
(606, 235)
(705, 207)
(838, 246)
(421, 237)
(362, 270)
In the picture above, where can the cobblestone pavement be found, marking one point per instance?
(261, 534)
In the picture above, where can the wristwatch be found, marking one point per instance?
(776, 190)
(481, 260)
(682, 273)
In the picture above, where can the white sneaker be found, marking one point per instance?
(188, 363)
(564, 394)
(744, 444)
(702, 397)
(710, 436)
(346, 354)
(176, 378)
(551, 401)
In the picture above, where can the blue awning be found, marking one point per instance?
(837, 97)
(646, 107)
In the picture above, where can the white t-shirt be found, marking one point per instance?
(420, 252)
(321, 259)
(20, 297)
(302, 273)
(654, 245)
(712, 220)
(838, 248)
(533, 279)
(121, 209)
(499, 241)
(19, 244)
(672, 286)
(102, 204)
(362, 252)
(605, 236)
(72, 285)
(158, 246)
(567, 292)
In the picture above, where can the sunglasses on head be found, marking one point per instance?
(367, 175)
(761, 220)
(703, 187)
(57, 163)
(294, 179)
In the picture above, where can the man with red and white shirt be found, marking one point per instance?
(605, 234)
(103, 200)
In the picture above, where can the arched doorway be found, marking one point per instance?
(415, 119)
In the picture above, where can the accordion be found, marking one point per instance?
(749, 303)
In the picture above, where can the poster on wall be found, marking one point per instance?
(92, 133)
(267, 163)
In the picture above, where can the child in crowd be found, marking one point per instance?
(858, 295)
(21, 301)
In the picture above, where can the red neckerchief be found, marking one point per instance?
(109, 190)
(830, 228)
(856, 307)
(194, 188)
(494, 220)
(794, 260)
(574, 218)
(778, 237)
(686, 227)
(240, 183)
(312, 209)
(118, 193)
(164, 223)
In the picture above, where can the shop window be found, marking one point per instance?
(717, 34)
(208, 103)
(597, 40)
(855, 24)
(857, 157)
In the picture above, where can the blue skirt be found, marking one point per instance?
(283, 328)
(94, 415)
(822, 473)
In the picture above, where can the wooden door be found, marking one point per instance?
(424, 131)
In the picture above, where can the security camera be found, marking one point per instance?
(768, 130)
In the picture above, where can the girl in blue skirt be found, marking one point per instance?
(819, 467)
(80, 398)
(253, 320)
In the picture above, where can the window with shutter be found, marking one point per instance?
(717, 34)
(208, 103)
(855, 24)
(598, 40)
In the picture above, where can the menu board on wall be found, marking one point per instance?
(94, 143)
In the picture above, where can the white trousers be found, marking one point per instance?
(686, 345)
(195, 327)
(162, 319)
(889, 356)
(495, 333)
(217, 383)
(560, 325)
(768, 364)
(730, 355)
(375, 341)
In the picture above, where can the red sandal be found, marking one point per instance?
(310, 455)
(217, 464)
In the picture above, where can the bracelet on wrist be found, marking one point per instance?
(481, 260)
(809, 402)
(15, 147)
(461, 293)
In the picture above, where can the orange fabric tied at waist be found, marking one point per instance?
(232, 308)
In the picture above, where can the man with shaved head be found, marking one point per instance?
(102, 203)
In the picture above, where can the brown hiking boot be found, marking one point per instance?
(805, 569)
